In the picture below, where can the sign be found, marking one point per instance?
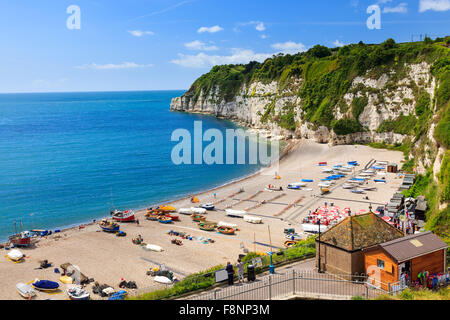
(221, 275)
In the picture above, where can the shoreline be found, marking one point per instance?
(77, 226)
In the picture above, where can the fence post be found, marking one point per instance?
(293, 282)
(215, 295)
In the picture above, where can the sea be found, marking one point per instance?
(68, 158)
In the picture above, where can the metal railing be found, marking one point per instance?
(297, 284)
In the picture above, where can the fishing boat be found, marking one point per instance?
(109, 226)
(185, 211)
(77, 293)
(327, 170)
(206, 227)
(167, 208)
(324, 185)
(25, 290)
(359, 191)
(123, 216)
(307, 180)
(294, 236)
(198, 210)
(173, 217)
(152, 247)
(226, 230)
(348, 186)
(198, 217)
(21, 239)
(300, 184)
(165, 220)
(322, 163)
(45, 285)
(227, 225)
(15, 255)
(369, 188)
(152, 216)
(289, 243)
(163, 280)
(207, 206)
(293, 187)
(324, 190)
(313, 228)
(235, 213)
(252, 219)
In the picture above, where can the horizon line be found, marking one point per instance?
(92, 91)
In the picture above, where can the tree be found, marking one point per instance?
(319, 51)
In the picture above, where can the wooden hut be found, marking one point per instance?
(341, 246)
(385, 262)
(392, 167)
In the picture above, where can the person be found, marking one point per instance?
(230, 271)
(215, 195)
(240, 268)
(137, 221)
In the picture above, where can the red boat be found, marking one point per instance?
(125, 216)
(22, 239)
(174, 218)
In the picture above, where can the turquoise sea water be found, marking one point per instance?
(66, 158)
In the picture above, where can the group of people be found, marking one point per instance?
(230, 270)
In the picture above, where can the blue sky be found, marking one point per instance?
(167, 44)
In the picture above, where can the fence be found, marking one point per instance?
(298, 284)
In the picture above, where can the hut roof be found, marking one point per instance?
(360, 231)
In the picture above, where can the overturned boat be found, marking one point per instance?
(252, 219)
(235, 213)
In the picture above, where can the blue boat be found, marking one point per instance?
(45, 285)
(307, 180)
(379, 180)
(357, 179)
(120, 295)
(294, 187)
(109, 226)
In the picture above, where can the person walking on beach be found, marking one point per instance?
(137, 222)
(240, 268)
(230, 271)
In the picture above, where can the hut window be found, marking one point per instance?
(380, 264)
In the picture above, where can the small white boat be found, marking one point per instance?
(324, 185)
(208, 206)
(252, 219)
(348, 186)
(186, 211)
(152, 247)
(327, 170)
(15, 255)
(25, 290)
(77, 293)
(235, 213)
(369, 189)
(163, 280)
(227, 225)
(357, 191)
(314, 228)
(298, 184)
(198, 210)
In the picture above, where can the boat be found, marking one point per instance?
(322, 163)
(359, 191)
(185, 211)
(206, 227)
(77, 293)
(173, 217)
(123, 216)
(293, 187)
(163, 280)
(45, 285)
(235, 213)
(25, 290)
(21, 239)
(369, 188)
(165, 220)
(380, 180)
(324, 190)
(289, 243)
(348, 186)
(152, 247)
(198, 217)
(109, 226)
(294, 236)
(327, 170)
(225, 230)
(300, 184)
(313, 228)
(357, 179)
(167, 209)
(307, 180)
(15, 255)
(198, 210)
(324, 185)
(252, 219)
(207, 206)
(226, 224)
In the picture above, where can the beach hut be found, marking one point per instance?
(392, 167)
(409, 255)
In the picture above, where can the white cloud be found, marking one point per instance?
(110, 66)
(338, 43)
(213, 29)
(198, 45)
(401, 8)
(202, 60)
(139, 33)
(263, 36)
(289, 47)
(260, 26)
(435, 5)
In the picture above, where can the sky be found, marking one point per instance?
(121, 45)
